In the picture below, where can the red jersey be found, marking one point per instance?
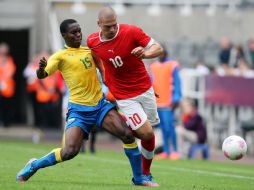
(126, 75)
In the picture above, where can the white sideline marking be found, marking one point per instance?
(116, 161)
(174, 168)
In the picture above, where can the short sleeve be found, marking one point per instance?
(53, 63)
(89, 41)
(141, 38)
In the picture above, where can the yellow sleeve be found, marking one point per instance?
(53, 63)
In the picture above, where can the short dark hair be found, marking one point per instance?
(64, 25)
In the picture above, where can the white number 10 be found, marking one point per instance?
(117, 61)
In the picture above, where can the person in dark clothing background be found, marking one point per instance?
(192, 130)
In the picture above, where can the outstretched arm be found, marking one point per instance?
(153, 51)
(41, 73)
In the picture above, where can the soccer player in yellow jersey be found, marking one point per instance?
(87, 105)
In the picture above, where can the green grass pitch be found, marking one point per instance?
(110, 170)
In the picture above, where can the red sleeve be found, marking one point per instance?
(90, 39)
(88, 42)
(141, 38)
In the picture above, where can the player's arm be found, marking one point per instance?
(41, 73)
(153, 51)
(50, 66)
(99, 65)
(147, 47)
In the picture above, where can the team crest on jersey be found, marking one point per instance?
(86, 62)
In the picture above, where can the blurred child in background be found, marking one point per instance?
(193, 130)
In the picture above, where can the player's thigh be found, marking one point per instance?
(73, 137)
(148, 102)
(114, 124)
(134, 113)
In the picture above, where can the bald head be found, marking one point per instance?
(107, 22)
(106, 13)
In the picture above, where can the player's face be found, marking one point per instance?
(108, 27)
(73, 37)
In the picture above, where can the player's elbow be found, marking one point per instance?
(160, 49)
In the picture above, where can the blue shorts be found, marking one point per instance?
(86, 117)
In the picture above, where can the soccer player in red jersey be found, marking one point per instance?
(121, 47)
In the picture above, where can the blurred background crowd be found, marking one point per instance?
(211, 43)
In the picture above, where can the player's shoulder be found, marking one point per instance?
(58, 53)
(132, 30)
(85, 48)
(128, 27)
(92, 38)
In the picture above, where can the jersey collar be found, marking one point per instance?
(118, 28)
(68, 47)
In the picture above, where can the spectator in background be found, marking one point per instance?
(225, 52)
(193, 129)
(238, 55)
(7, 85)
(243, 69)
(229, 57)
(251, 51)
(32, 84)
(225, 56)
(166, 83)
(49, 93)
(45, 95)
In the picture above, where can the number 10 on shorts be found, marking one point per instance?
(135, 119)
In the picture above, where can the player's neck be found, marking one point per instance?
(104, 38)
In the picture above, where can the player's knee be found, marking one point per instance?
(128, 138)
(70, 152)
(147, 135)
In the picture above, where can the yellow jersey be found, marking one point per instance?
(79, 72)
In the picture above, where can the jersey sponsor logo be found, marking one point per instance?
(70, 54)
(86, 62)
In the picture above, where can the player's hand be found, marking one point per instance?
(42, 63)
(138, 52)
